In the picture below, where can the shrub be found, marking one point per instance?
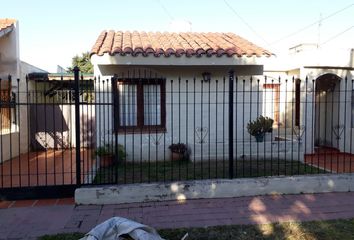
(260, 126)
(108, 149)
(178, 148)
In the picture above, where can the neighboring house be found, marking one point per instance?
(324, 103)
(13, 119)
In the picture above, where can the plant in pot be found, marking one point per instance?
(259, 127)
(106, 153)
(179, 151)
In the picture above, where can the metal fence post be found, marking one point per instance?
(77, 125)
(116, 124)
(231, 122)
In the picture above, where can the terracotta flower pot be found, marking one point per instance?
(106, 160)
(259, 137)
(175, 156)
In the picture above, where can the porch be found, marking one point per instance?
(331, 160)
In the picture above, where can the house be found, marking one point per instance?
(173, 87)
(323, 94)
(13, 118)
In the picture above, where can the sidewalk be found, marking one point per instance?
(30, 219)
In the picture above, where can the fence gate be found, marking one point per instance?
(47, 135)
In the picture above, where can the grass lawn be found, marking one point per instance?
(143, 172)
(316, 230)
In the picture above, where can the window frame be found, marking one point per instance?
(140, 127)
(275, 90)
(7, 106)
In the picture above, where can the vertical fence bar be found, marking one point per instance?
(231, 123)
(223, 126)
(10, 129)
(250, 136)
(338, 121)
(17, 106)
(201, 127)
(345, 121)
(216, 128)
(209, 100)
(1, 139)
(114, 87)
(194, 125)
(236, 128)
(305, 122)
(77, 125)
(179, 124)
(187, 123)
(351, 126)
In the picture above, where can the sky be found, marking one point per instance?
(52, 32)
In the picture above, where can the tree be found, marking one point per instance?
(83, 62)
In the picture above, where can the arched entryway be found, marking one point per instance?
(327, 105)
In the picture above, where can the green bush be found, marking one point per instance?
(260, 126)
(108, 149)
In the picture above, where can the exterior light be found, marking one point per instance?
(206, 76)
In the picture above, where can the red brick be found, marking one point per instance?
(46, 202)
(66, 201)
(24, 203)
(5, 204)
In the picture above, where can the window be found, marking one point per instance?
(271, 98)
(5, 107)
(139, 104)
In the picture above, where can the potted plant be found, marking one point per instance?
(179, 151)
(259, 127)
(107, 156)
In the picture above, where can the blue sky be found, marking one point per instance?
(52, 32)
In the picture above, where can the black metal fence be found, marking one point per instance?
(61, 132)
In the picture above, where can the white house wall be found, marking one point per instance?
(10, 65)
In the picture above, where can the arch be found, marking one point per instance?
(327, 105)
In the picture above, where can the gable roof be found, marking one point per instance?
(178, 44)
(6, 25)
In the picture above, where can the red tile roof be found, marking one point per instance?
(178, 44)
(6, 23)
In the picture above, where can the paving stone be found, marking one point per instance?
(42, 217)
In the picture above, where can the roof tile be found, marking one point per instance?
(178, 44)
(6, 23)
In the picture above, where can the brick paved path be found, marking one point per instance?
(29, 219)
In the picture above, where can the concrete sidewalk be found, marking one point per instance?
(30, 219)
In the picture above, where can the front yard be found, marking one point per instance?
(144, 172)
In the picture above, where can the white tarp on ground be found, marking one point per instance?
(114, 228)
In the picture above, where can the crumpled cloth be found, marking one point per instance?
(114, 228)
